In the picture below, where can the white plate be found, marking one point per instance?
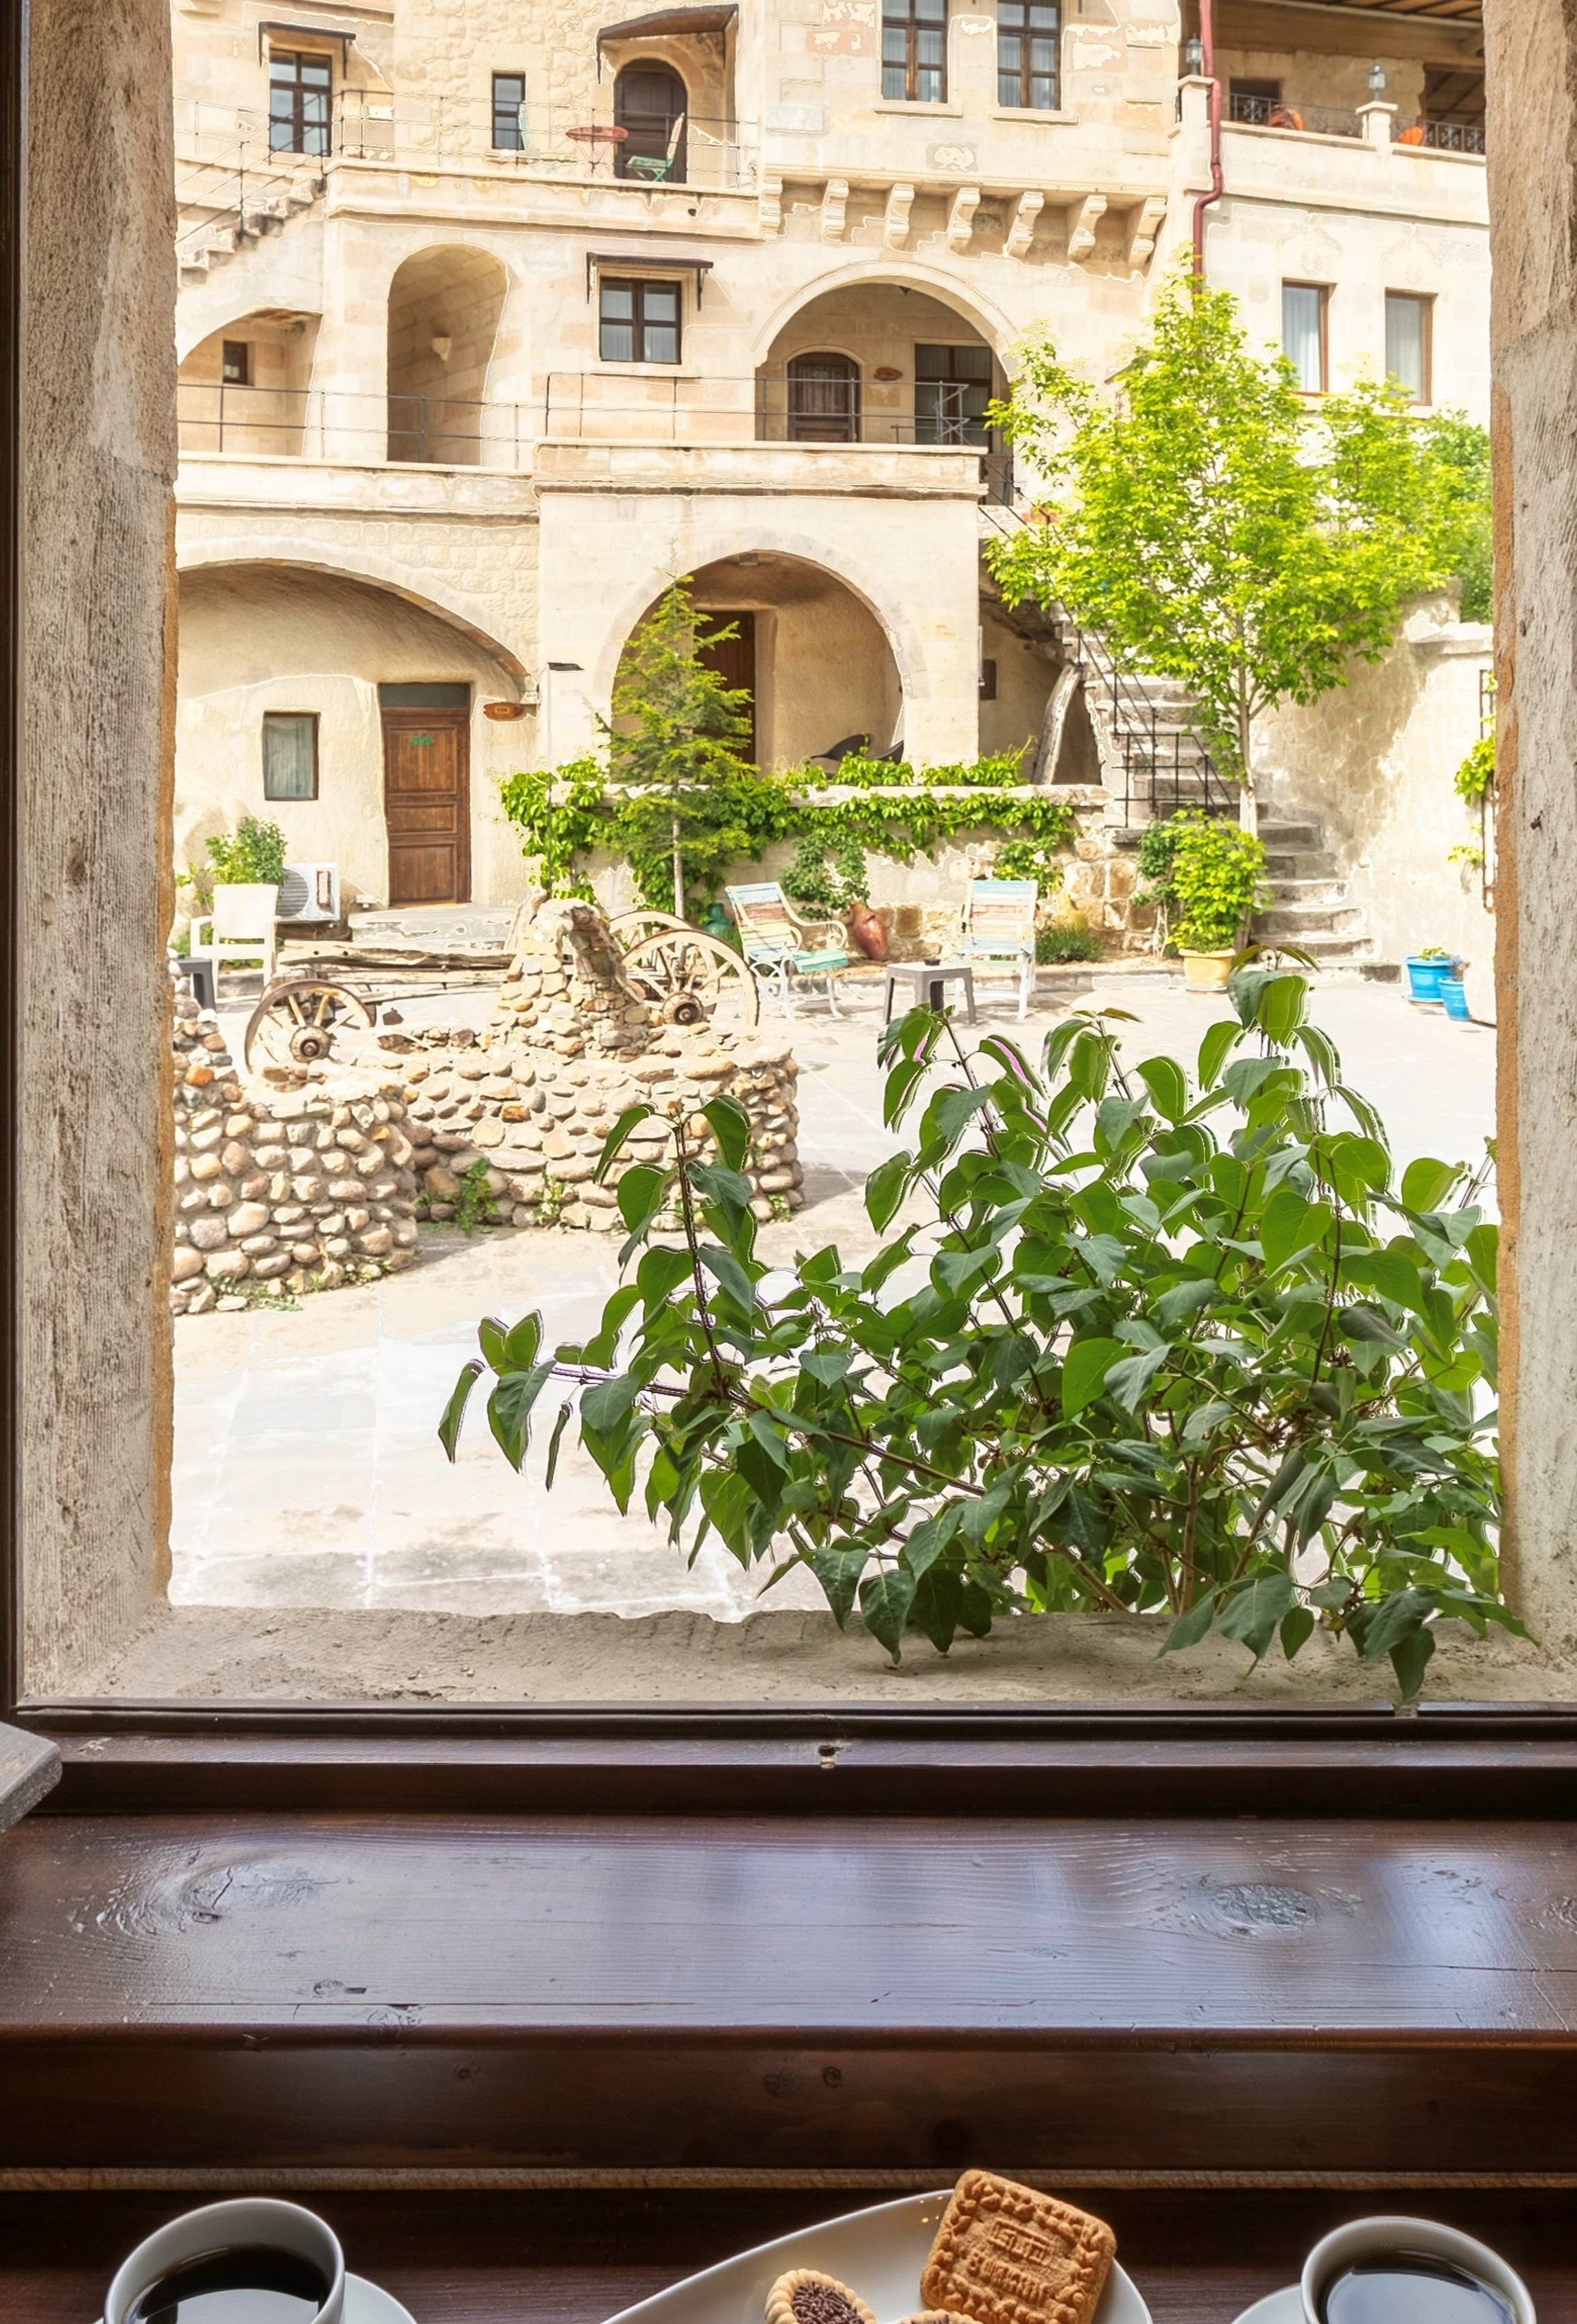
(369, 2303)
(1282, 2307)
(878, 2254)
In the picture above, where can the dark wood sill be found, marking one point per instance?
(574, 1996)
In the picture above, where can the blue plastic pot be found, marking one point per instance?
(1454, 993)
(1424, 977)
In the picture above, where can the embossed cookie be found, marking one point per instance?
(1005, 2254)
(806, 2296)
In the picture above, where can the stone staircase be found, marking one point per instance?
(1309, 905)
(225, 211)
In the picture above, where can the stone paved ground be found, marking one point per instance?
(307, 1469)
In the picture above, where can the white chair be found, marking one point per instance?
(999, 931)
(241, 928)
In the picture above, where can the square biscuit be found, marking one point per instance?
(1005, 2254)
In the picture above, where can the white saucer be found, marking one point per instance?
(369, 2303)
(1282, 2307)
(879, 2254)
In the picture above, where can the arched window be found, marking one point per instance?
(650, 101)
(823, 400)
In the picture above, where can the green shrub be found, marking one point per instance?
(1206, 876)
(1474, 777)
(1133, 1338)
(1069, 939)
(253, 854)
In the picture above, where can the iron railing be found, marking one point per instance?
(772, 406)
(299, 423)
(240, 195)
(1166, 764)
(1441, 136)
(1294, 114)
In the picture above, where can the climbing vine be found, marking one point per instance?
(895, 810)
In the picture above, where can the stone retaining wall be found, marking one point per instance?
(304, 1190)
(570, 1047)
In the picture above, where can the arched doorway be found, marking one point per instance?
(910, 369)
(813, 657)
(823, 399)
(651, 102)
(444, 310)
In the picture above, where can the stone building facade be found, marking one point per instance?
(491, 320)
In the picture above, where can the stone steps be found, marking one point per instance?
(1308, 902)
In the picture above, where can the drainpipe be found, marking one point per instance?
(1207, 43)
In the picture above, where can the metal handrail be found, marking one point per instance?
(1440, 136)
(1292, 114)
(1163, 769)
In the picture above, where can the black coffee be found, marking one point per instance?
(254, 2284)
(1404, 2287)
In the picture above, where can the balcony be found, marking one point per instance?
(1295, 114)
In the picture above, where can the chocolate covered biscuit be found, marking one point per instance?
(1005, 2254)
(805, 2296)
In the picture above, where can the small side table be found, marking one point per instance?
(928, 982)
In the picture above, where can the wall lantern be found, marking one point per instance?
(1193, 57)
(1377, 81)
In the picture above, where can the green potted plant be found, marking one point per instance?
(1206, 877)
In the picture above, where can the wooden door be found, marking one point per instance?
(735, 661)
(427, 804)
(823, 400)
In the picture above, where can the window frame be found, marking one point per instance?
(207, 1759)
(902, 17)
(1323, 291)
(244, 378)
(1425, 301)
(289, 798)
(298, 124)
(1026, 34)
(518, 144)
(638, 323)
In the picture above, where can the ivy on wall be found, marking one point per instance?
(564, 817)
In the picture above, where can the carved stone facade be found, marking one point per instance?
(423, 370)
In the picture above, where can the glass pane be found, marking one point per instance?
(662, 343)
(618, 302)
(1008, 89)
(972, 362)
(617, 342)
(287, 756)
(894, 80)
(1405, 340)
(928, 50)
(1302, 311)
(663, 302)
(933, 363)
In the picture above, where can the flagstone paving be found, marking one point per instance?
(307, 1473)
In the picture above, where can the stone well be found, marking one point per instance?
(302, 1190)
(570, 1045)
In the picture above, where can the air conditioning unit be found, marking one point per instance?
(310, 891)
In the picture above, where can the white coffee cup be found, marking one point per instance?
(230, 2227)
(1368, 2238)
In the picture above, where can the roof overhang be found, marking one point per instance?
(660, 22)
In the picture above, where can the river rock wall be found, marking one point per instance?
(303, 1190)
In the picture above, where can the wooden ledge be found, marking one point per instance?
(585, 1995)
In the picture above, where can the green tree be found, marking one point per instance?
(1217, 528)
(1458, 451)
(676, 731)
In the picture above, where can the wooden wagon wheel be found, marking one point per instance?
(693, 979)
(629, 928)
(299, 1021)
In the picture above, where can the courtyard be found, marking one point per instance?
(307, 1471)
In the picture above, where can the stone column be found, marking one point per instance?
(1532, 76)
(95, 883)
(1377, 121)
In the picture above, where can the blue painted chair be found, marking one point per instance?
(999, 931)
(784, 950)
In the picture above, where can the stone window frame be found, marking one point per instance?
(517, 143)
(1023, 73)
(286, 799)
(903, 20)
(638, 285)
(1425, 299)
(1324, 290)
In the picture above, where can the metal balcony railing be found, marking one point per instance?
(1441, 136)
(774, 406)
(296, 423)
(1293, 113)
(581, 142)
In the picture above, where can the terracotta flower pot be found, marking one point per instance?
(867, 932)
(1207, 971)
